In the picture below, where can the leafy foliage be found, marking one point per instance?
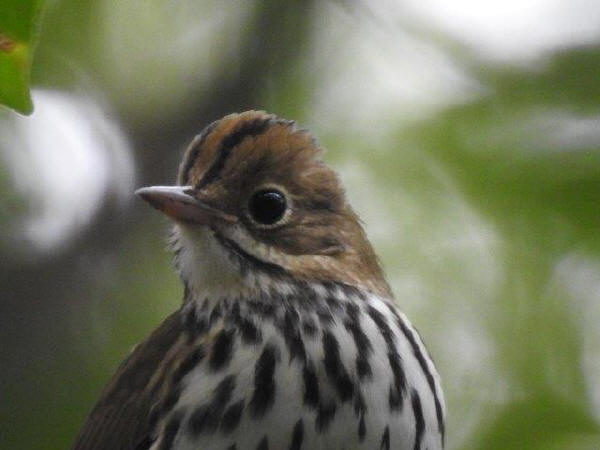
(18, 33)
(514, 159)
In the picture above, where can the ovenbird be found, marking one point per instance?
(288, 336)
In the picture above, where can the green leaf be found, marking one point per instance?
(540, 423)
(18, 33)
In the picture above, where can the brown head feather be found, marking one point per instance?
(321, 236)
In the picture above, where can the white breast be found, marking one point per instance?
(367, 406)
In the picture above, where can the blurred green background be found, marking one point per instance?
(467, 134)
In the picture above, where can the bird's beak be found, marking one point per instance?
(179, 203)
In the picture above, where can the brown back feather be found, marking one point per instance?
(120, 419)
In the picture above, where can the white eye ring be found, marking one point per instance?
(269, 206)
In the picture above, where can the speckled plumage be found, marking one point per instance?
(288, 337)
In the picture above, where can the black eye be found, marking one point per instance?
(267, 206)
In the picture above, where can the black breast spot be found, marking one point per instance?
(264, 382)
(297, 436)
(398, 387)
(334, 367)
(385, 439)
(232, 416)
(325, 415)
(311, 386)
(419, 420)
(206, 417)
(263, 444)
(222, 350)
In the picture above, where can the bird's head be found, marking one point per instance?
(256, 206)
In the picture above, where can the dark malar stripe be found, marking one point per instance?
(195, 146)
(229, 142)
(419, 421)
(246, 258)
(424, 367)
(264, 382)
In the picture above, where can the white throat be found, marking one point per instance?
(212, 272)
(205, 265)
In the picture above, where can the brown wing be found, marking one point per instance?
(120, 419)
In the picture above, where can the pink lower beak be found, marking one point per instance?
(180, 204)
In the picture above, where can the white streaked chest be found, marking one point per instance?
(337, 372)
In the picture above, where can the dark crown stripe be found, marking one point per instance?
(195, 147)
(246, 129)
(424, 367)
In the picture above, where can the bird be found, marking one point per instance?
(288, 336)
